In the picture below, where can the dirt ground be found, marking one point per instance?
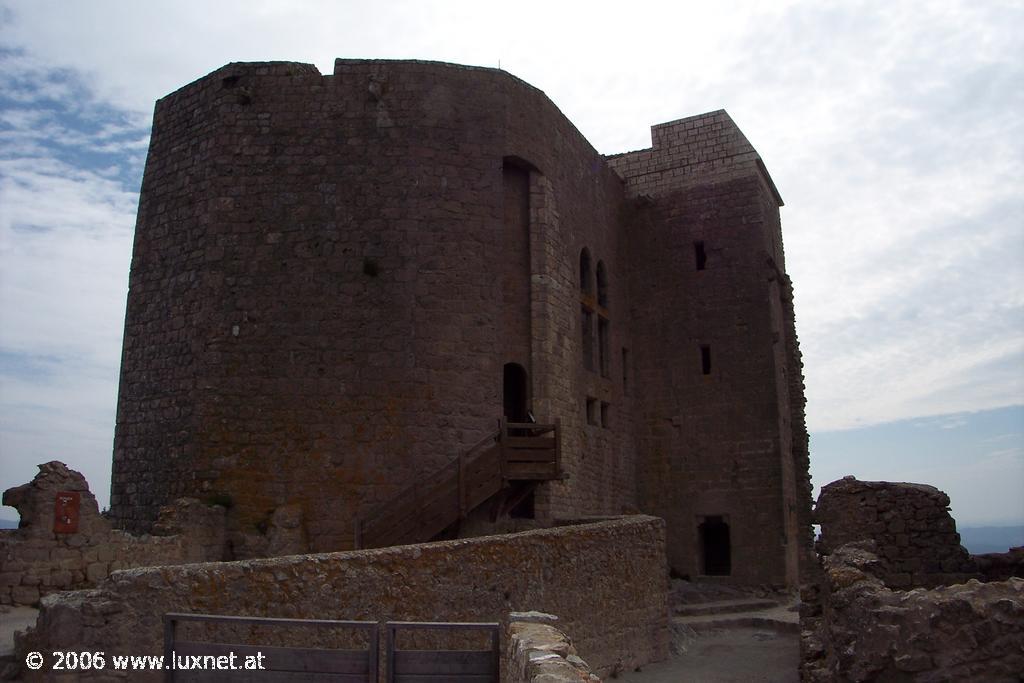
(741, 655)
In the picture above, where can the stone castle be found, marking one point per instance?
(342, 282)
(409, 302)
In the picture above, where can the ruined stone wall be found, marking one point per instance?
(537, 651)
(1001, 566)
(910, 524)
(860, 630)
(606, 582)
(720, 413)
(36, 560)
(351, 264)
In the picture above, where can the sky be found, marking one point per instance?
(893, 130)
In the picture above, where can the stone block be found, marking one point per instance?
(96, 572)
(25, 595)
(10, 578)
(60, 579)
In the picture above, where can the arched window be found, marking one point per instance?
(603, 333)
(586, 278)
(516, 392)
(602, 285)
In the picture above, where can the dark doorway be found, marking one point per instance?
(715, 546)
(515, 389)
(516, 398)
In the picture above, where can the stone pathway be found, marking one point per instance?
(724, 635)
(733, 655)
(713, 616)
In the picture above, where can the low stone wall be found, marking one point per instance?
(860, 630)
(607, 581)
(538, 652)
(36, 559)
(1001, 566)
(915, 535)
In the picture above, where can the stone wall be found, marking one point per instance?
(1001, 566)
(719, 412)
(539, 652)
(914, 533)
(36, 560)
(606, 581)
(860, 630)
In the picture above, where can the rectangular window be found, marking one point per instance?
(591, 408)
(587, 332)
(700, 255)
(606, 418)
(625, 371)
(602, 346)
(705, 359)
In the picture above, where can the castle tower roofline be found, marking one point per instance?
(484, 78)
(234, 69)
(697, 149)
(341, 63)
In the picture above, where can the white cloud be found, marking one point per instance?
(65, 243)
(895, 132)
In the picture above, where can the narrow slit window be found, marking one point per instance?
(586, 276)
(705, 359)
(591, 408)
(602, 285)
(606, 415)
(700, 255)
(602, 346)
(625, 371)
(587, 337)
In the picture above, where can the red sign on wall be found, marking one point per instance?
(65, 512)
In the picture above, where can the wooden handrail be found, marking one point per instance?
(413, 487)
(493, 436)
(520, 457)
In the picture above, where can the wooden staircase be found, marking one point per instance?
(504, 467)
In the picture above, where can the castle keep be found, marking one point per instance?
(341, 283)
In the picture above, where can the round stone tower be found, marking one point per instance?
(331, 276)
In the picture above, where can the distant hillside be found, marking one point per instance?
(8, 524)
(991, 539)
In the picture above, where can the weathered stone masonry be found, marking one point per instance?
(605, 581)
(36, 560)
(331, 275)
(914, 534)
(861, 630)
(898, 598)
(708, 277)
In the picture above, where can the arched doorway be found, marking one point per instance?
(715, 546)
(516, 393)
